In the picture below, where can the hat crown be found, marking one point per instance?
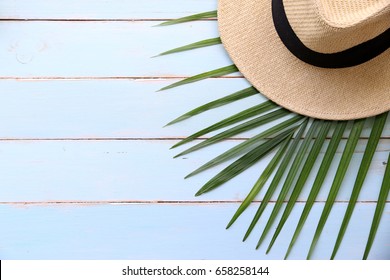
(329, 26)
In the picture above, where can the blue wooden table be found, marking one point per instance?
(85, 166)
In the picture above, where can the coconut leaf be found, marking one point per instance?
(196, 45)
(248, 144)
(261, 181)
(200, 16)
(209, 74)
(292, 174)
(241, 116)
(250, 91)
(243, 163)
(373, 141)
(278, 176)
(304, 174)
(383, 194)
(319, 180)
(338, 179)
(248, 125)
(297, 172)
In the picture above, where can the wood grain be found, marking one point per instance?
(62, 49)
(85, 166)
(111, 108)
(102, 9)
(141, 170)
(171, 231)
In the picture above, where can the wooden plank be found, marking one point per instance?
(171, 231)
(102, 9)
(60, 171)
(104, 49)
(109, 108)
(114, 108)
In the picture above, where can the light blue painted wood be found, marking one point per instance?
(102, 9)
(108, 108)
(114, 108)
(139, 171)
(79, 80)
(173, 231)
(120, 49)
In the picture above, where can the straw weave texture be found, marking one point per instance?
(248, 34)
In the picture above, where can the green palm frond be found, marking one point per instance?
(304, 174)
(373, 141)
(196, 45)
(248, 125)
(261, 181)
(249, 144)
(319, 180)
(244, 162)
(217, 103)
(210, 74)
(383, 194)
(291, 176)
(241, 116)
(277, 178)
(338, 179)
(200, 16)
(297, 142)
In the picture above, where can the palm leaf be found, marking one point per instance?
(278, 176)
(217, 103)
(260, 182)
(210, 74)
(319, 180)
(248, 144)
(241, 116)
(383, 194)
(248, 125)
(338, 179)
(200, 16)
(304, 174)
(298, 171)
(243, 163)
(291, 175)
(361, 175)
(196, 45)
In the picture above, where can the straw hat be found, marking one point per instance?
(326, 59)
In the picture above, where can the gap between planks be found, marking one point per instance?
(131, 78)
(178, 202)
(98, 20)
(145, 139)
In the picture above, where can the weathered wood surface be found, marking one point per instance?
(170, 231)
(103, 9)
(139, 170)
(86, 170)
(114, 108)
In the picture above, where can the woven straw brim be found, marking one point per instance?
(248, 35)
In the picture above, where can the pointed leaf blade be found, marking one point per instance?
(241, 116)
(369, 152)
(304, 174)
(246, 126)
(383, 194)
(278, 176)
(200, 16)
(217, 103)
(319, 180)
(338, 179)
(196, 45)
(209, 74)
(260, 182)
(291, 175)
(243, 163)
(250, 143)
